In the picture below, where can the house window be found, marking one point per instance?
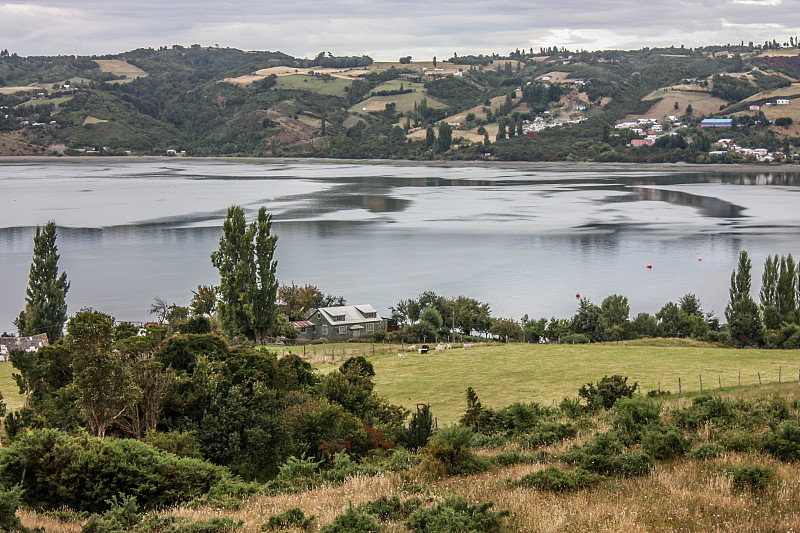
(338, 318)
(370, 327)
(324, 329)
(342, 330)
(370, 315)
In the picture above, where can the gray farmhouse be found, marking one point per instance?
(340, 323)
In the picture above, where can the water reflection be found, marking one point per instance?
(523, 239)
(708, 206)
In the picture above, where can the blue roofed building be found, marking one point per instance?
(716, 123)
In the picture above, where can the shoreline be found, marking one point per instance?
(533, 165)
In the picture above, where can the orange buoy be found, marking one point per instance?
(577, 295)
(699, 259)
(650, 267)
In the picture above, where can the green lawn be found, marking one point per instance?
(546, 373)
(8, 388)
(316, 84)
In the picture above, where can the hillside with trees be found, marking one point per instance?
(547, 105)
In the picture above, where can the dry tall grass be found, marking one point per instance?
(678, 496)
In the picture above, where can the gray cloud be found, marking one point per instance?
(386, 29)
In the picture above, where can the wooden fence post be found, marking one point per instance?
(759, 378)
(740, 378)
(720, 381)
(701, 382)
(779, 374)
(679, 385)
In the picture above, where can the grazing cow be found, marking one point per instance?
(467, 346)
(401, 355)
(439, 348)
(447, 347)
(412, 348)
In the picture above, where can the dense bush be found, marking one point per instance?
(351, 521)
(291, 518)
(391, 509)
(84, 473)
(607, 391)
(9, 503)
(752, 477)
(606, 455)
(662, 443)
(632, 416)
(450, 450)
(455, 515)
(546, 434)
(554, 479)
(783, 442)
(707, 450)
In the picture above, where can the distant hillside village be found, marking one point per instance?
(649, 105)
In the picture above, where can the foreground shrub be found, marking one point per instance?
(9, 503)
(784, 442)
(606, 455)
(607, 391)
(391, 509)
(707, 450)
(751, 477)
(292, 518)
(351, 521)
(455, 515)
(632, 417)
(84, 473)
(449, 450)
(554, 479)
(704, 409)
(665, 442)
(546, 434)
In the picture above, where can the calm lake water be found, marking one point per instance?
(526, 240)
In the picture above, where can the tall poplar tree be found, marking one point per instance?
(265, 292)
(46, 297)
(248, 287)
(742, 313)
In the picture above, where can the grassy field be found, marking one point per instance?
(8, 388)
(503, 374)
(333, 87)
(701, 102)
(405, 102)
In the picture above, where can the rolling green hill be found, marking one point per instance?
(223, 101)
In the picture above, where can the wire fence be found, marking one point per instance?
(717, 380)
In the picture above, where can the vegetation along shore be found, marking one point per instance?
(221, 416)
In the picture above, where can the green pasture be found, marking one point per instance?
(8, 388)
(405, 102)
(503, 374)
(393, 85)
(316, 84)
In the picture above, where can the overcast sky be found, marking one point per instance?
(387, 29)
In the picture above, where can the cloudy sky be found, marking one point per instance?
(387, 29)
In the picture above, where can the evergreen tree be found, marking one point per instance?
(234, 260)
(248, 287)
(445, 139)
(742, 313)
(430, 137)
(265, 292)
(46, 296)
(787, 289)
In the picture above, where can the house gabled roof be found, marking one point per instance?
(22, 343)
(353, 314)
